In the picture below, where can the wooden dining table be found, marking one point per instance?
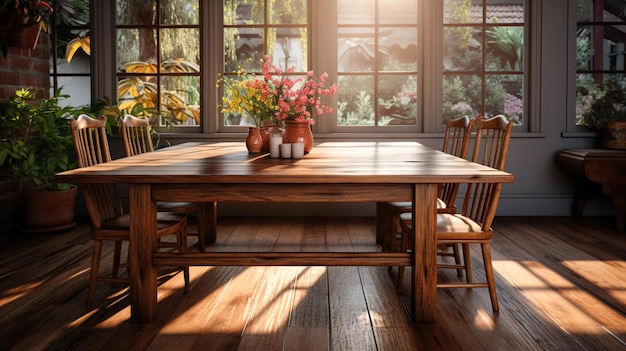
(332, 172)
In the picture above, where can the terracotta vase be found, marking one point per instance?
(298, 132)
(254, 141)
(266, 138)
(613, 135)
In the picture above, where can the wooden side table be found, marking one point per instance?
(604, 167)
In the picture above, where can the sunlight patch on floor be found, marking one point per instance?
(484, 320)
(547, 291)
(17, 292)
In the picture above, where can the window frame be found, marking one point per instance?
(572, 129)
(322, 58)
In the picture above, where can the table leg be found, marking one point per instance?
(143, 242)
(207, 224)
(617, 192)
(424, 272)
(382, 223)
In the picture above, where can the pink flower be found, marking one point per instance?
(297, 98)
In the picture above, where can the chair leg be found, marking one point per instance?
(457, 259)
(468, 263)
(489, 273)
(95, 266)
(404, 247)
(182, 247)
(117, 253)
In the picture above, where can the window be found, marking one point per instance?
(158, 60)
(377, 63)
(600, 50)
(253, 29)
(70, 69)
(401, 66)
(483, 58)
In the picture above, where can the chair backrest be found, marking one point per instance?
(92, 148)
(456, 142)
(136, 135)
(490, 149)
(90, 140)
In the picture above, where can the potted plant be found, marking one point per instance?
(21, 22)
(35, 139)
(604, 109)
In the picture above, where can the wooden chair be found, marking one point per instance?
(473, 224)
(109, 222)
(137, 140)
(455, 142)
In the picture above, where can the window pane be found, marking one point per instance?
(136, 12)
(355, 105)
(505, 48)
(400, 46)
(179, 12)
(135, 94)
(507, 11)
(504, 96)
(584, 11)
(136, 45)
(463, 49)
(183, 45)
(289, 48)
(356, 11)
(244, 47)
(240, 12)
(77, 88)
(288, 12)
(462, 11)
(397, 12)
(584, 50)
(397, 100)
(513, 86)
(356, 49)
(180, 100)
(462, 96)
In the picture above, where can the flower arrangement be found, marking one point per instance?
(245, 94)
(276, 97)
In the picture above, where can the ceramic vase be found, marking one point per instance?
(254, 141)
(298, 132)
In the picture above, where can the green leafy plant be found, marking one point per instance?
(35, 138)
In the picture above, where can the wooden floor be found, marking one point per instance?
(561, 286)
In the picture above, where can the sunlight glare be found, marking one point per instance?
(17, 292)
(484, 320)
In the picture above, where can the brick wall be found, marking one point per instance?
(26, 68)
(21, 68)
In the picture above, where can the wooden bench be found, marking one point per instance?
(597, 166)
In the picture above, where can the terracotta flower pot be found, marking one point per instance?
(298, 132)
(48, 211)
(254, 141)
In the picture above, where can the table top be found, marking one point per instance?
(328, 162)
